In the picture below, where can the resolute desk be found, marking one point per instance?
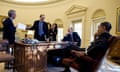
(33, 57)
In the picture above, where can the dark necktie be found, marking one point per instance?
(72, 37)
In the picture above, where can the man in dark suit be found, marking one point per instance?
(72, 37)
(97, 48)
(41, 29)
(9, 28)
(65, 52)
(9, 32)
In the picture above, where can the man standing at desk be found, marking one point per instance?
(9, 31)
(9, 28)
(41, 29)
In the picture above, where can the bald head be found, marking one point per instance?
(70, 30)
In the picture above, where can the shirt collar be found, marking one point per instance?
(11, 18)
(40, 21)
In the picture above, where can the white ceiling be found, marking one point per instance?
(31, 2)
(28, 1)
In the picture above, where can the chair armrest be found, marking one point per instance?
(88, 59)
(82, 49)
(4, 45)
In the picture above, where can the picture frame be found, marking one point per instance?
(118, 21)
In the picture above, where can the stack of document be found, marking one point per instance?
(21, 26)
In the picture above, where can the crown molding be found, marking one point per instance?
(75, 9)
(29, 4)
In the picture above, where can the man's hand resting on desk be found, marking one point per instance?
(78, 53)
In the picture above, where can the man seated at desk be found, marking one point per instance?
(97, 49)
(61, 53)
(72, 37)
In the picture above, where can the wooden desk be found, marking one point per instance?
(33, 57)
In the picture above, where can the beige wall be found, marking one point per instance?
(27, 14)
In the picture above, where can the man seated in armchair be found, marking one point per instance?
(74, 43)
(98, 48)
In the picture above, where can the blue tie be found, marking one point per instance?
(41, 32)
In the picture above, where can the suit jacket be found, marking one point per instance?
(99, 46)
(9, 30)
(36, 28)
(76, 38)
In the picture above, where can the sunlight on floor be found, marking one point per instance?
(109, 66)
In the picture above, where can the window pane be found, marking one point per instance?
(78, 28)
(60, 34)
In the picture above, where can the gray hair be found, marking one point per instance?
(11, 12)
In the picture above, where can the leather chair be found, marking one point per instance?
(95, 65)
(4, 57)
(114, 54)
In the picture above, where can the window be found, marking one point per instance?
(60, 34)
(77, 26)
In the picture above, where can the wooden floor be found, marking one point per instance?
(106, 67)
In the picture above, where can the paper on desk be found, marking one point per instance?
(21, 26)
